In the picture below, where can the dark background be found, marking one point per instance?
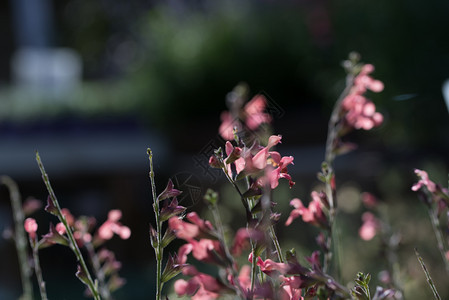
(156, 74)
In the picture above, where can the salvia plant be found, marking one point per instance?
(249, 162)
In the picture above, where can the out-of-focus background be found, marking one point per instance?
(92, 84)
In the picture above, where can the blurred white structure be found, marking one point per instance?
(46, 73)
(446, 93)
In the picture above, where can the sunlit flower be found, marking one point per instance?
(312, 214)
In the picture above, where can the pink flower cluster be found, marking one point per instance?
(252, 117)
(268, 166)
(360, 113)
(204, 246)
(294, 279)
(83, 227)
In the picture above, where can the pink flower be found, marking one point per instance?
(68, 216)
(258, 162)
(254, 111)
(60, 228)
(30, 206)
(200, 286)
(208, 251)
(269, 266)
(183, 230)
(370, 226)
(226, 128)
(243, 281)
(30, 226)
(82, 237)
(253, 116)
(361, 112)
(245, 277)
(241, 240)
(424, 181)
(204, 226)
(363, 81)
(114, 215)
(188, 288)
(280, 170)
(205, 250)
(291, 287)
(111, 226)
(312, 214)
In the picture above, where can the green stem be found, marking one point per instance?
(276, 244)
(19, 236)
(253, 268)
(334, 128)
(429, 279)
(221, 235)
(103, 288)
(38, 270)
(73, 245)
(159, 251)
(245, 203)
(439, 235)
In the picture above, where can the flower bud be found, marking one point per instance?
(214, 162)
(51, 208)
(169, 192)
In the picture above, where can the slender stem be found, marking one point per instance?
(37, 269)
(19, 236)
(429, 279)
(328, 254)
(253, 269)
(73, 244)
(221, 236)
(439, 235)
(276, 244)
(159, 251)
(334, 121)
(334, 128)
(394, 267)
(245, 204)
(103, 289)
